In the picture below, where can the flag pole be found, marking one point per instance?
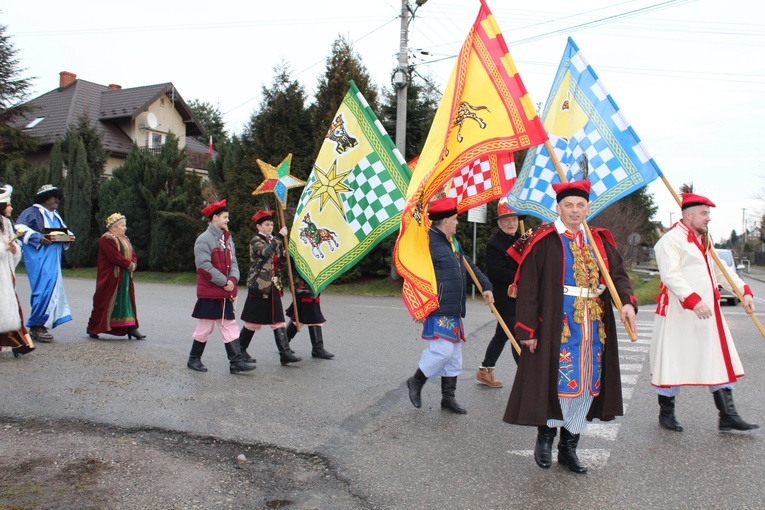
(603, 269)
(493, 308)
(720, 265)
(289, 270)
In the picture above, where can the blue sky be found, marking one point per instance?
(690, 76)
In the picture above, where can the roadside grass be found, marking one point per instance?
(646, 286)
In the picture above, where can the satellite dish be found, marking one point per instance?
(151, 120)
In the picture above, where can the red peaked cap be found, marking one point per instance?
(442, 208)
(503, 210)
(691, 199)
(262, 216)
(572, 189)
(211, 209)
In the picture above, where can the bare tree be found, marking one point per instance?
(623, 219)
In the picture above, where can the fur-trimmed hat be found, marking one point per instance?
(691, 199)
(45, 192)
(5, 193)
(442, 208)
(213, 208)
(261, 216)
(572, 189)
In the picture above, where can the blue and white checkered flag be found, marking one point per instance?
(592, 140)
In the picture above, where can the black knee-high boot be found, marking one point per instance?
(237, 363)
(729, 418)
(195, 357)
(291, 332)
(317, 343)
(543, 449)
(667, 417)
(283, 345)
(567, 452)
(448, 389)
(245, 337)
(415, 384)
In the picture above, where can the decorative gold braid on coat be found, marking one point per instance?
(588, 278)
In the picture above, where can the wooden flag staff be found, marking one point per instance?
(277, 180)
(603, 269)
(494, 310)
(720, 265)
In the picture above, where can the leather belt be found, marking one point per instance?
(585, 292)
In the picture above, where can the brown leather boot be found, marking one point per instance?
(485, 376)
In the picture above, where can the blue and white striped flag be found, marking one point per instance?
(592, 140)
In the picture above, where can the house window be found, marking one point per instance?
(34, 123)
(156, 140)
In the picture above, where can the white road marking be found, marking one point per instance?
(630, 348)
(629, 378)
(592, 457)
(607, 431)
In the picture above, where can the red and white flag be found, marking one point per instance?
(209, 147)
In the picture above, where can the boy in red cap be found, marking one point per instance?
(264, 303)
(568, 372)
(689, 297)
(217, 276)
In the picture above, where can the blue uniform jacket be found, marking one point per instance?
(451, 275)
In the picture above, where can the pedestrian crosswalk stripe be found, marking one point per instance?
(629, 378)
(633, 348)
(607, 431)
(591, 457)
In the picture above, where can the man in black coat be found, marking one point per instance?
(501, 268)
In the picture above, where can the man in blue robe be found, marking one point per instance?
(42, 259)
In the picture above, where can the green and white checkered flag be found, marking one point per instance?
(353, 198)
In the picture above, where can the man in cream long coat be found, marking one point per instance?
(691, 344)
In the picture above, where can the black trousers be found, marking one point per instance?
(497, 345)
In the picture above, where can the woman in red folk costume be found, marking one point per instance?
(264, 304)
(114, 311)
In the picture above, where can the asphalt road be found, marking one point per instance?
(355, 412)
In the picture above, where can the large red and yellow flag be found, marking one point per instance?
(484, 116)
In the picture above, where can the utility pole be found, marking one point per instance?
(400, 77)
(400, 81)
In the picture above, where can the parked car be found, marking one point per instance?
(726, 256)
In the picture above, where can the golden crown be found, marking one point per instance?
(114, 218)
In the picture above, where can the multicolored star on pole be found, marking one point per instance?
(277, 180)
